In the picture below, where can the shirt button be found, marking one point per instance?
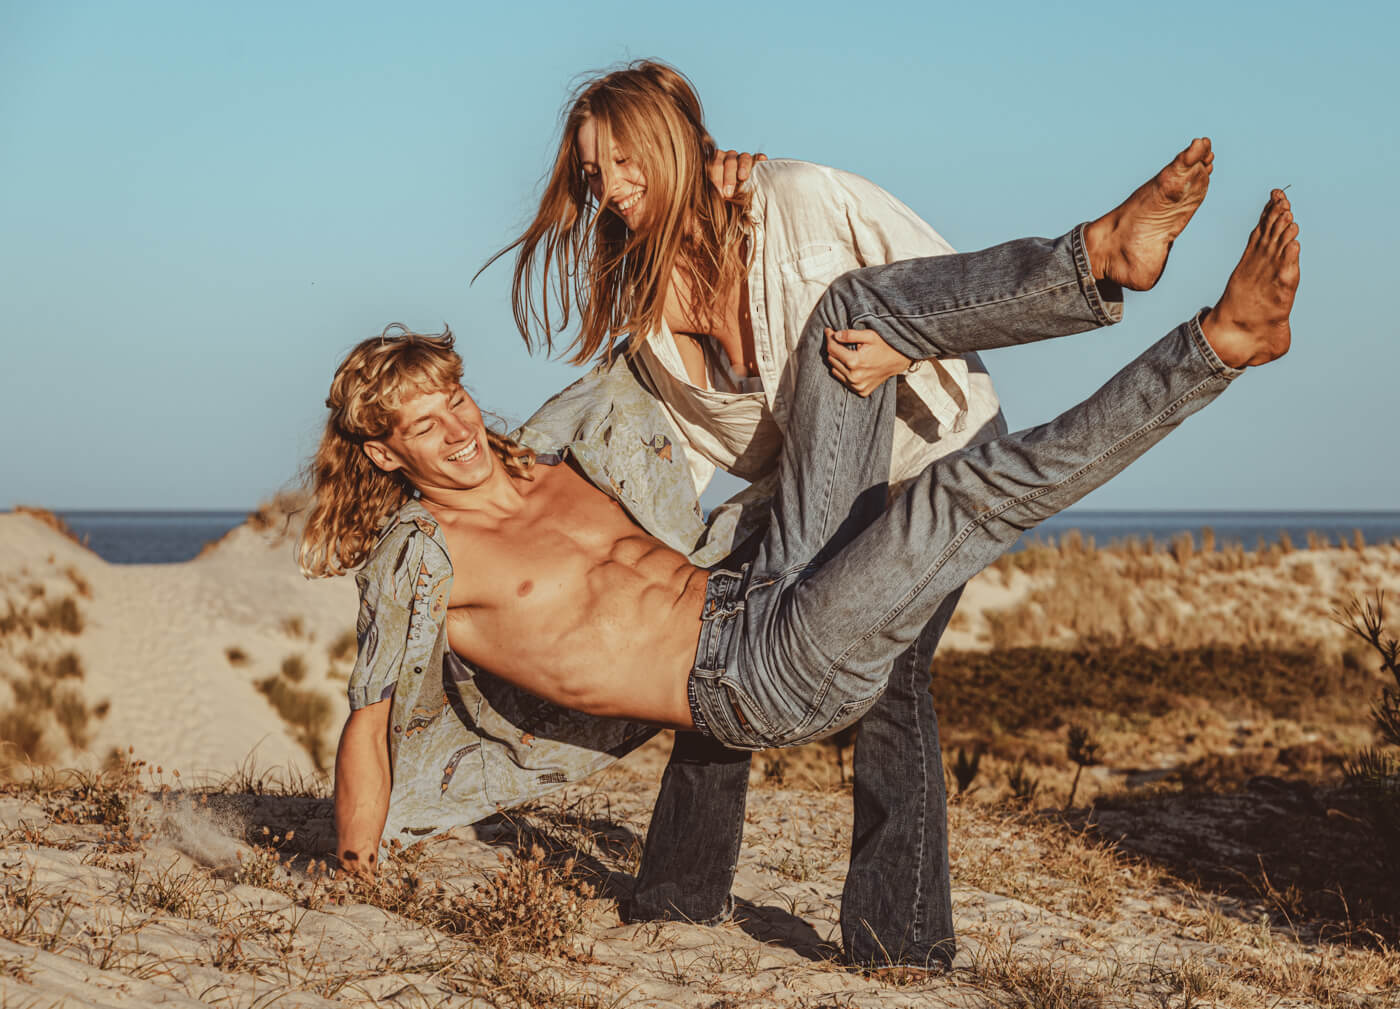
(417, 669)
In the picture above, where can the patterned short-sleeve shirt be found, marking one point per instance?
(463, 743)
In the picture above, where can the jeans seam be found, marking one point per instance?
(832, 463)
(1086, 275)
(1010, 503)
(970, 307)
(1203, 347)
(921, 829)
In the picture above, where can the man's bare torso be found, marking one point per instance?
(564, 595)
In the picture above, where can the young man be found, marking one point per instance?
(570, 599)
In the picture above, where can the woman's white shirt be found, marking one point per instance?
(808, 225)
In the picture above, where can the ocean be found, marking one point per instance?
(166, 537)
(150, 537)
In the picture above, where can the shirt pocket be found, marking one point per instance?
(802, 280)
(819, 263)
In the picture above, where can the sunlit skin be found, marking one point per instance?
(550, 573)
(619, 185)
(558, 591)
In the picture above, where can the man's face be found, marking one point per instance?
(438, 442)
(615, 179)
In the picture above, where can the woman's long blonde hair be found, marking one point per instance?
(574, 254)
(352, 496)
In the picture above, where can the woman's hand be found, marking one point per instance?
(729, 168)
(861, 360)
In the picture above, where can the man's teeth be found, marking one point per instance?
(467, 453)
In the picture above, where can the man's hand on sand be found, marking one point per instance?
(352, 866)
(1129, 244)
(1249, 324)
(728, 169)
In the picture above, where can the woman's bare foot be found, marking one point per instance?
(1249, 324)
(1129, 244)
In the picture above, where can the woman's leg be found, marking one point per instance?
(900, 829)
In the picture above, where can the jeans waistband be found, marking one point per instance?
(724, 599)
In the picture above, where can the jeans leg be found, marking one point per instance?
(818, 643)
(1015, 293)
(901, 823)
(692, 846)
(1029, 289)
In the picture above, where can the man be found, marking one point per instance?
(571, 600)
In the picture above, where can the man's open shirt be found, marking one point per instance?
(463, 743)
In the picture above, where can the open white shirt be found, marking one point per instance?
(808, 225)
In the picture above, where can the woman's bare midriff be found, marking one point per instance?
(569, 599)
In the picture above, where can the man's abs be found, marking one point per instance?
(572, 601)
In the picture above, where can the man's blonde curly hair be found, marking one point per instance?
(352, 496)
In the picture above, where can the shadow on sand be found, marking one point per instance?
(1305, 855)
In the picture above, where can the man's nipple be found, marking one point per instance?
(526, 587)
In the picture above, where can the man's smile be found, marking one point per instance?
(466, 454)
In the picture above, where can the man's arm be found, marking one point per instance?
(362, 781)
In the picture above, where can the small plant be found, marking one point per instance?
(343, 647)
(775, 769)
(294, 668)
(32, 914)
(1022, 784)
(62, 615)
(306, 712)
(236, 656)
(530, 905)
(294, 627)
(965, 768)
(79, 582)
(73, 715)
(1083, 750)
(1375, 773)
(264, 865)
(21, 735)
(186, 894)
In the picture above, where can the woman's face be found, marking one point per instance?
(622, 188)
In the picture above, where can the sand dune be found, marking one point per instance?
(137, 889)
(155, 643)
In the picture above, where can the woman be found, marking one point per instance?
(714, 288)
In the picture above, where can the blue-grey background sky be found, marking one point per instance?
(203, 206)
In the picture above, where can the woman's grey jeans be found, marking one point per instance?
(798, 643)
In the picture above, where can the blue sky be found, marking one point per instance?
(203, 206)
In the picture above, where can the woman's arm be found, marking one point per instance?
(362, 781)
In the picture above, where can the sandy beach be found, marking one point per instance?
(180, 863)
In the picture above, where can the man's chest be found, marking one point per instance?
(566, 527)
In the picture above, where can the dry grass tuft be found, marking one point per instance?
(52, 521)
(530, 905)
(1011, 690)
(306, 711)
(42, 705)
(81, 584)
(60, 615)
(343, 647)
